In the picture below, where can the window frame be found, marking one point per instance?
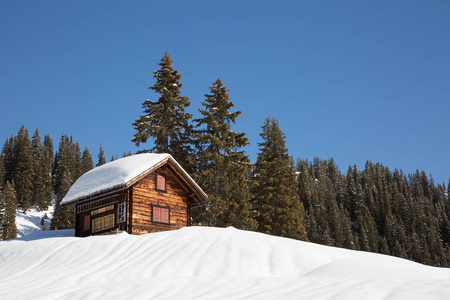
(161, 209)
(156, 182)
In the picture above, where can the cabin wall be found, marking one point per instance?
(101, 215)
(145, 196)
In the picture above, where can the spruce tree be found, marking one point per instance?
(23, 171)
(86, 161)
(275, 193)
(2, 196)
(2, 174)
(8, 159)
(40, 170)
(47, 164)
(65, 175)
(166, 120)
(77, 161)
(101, 157)
(9, 229)
(222, 164)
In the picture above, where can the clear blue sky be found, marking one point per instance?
(353, 80)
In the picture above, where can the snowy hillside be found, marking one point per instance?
(31, 221)
(205, 263)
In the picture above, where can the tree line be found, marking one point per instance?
(372, 210)
(32, 174)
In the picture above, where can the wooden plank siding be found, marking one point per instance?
(145, 195)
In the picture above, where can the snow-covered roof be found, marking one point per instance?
(119, 174)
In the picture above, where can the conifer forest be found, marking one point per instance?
(368, 208)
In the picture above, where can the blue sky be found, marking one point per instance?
(353, 80)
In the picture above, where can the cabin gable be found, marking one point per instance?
(151, 203)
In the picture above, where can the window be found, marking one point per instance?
(121, 212)
(87, 222)
(103, 223)
(160, 182)
(161, 214)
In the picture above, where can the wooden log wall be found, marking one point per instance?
(144, 195)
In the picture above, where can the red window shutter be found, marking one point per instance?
(87, 222)
(156, 214)
(160, 182)
(164, 215)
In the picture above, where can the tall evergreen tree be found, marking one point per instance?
(47, 165)
(86, 161)
(2, 174)
(39, 171)
(9, 229)
(166, 120)
(101, 157)
(2, 195)
(65, 175)
(8, 159)
(77, 160)
(222, 164)
(280, 210)
(23, 171)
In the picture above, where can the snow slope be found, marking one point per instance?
(31, 221)
(205, 263)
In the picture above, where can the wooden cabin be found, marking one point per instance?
(138, 194)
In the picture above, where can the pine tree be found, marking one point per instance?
(86, 161)
(38, 169)
(47, 164)
(23, 171)
(275, 193)
(65, 175)
(77, 161)
(101, 157)
(2, 196)
(2, 174)
(8, 159)
(222, 165)
(165, 120)
(9, 229)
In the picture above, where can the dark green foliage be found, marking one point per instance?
(8, 159)
(165, 120)
(23, 169)
(2, 174)
(2, 195)
(47, 166)
(321, 188)
(276, 201)
(66, 173)
(101, 157)
(42, 166)
(376, 210)
(77, 160)
(86, 161)
(222, 165)
(125, 154)
(8, 206)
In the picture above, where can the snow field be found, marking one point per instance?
(205, 263)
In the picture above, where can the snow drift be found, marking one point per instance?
(205, 263)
